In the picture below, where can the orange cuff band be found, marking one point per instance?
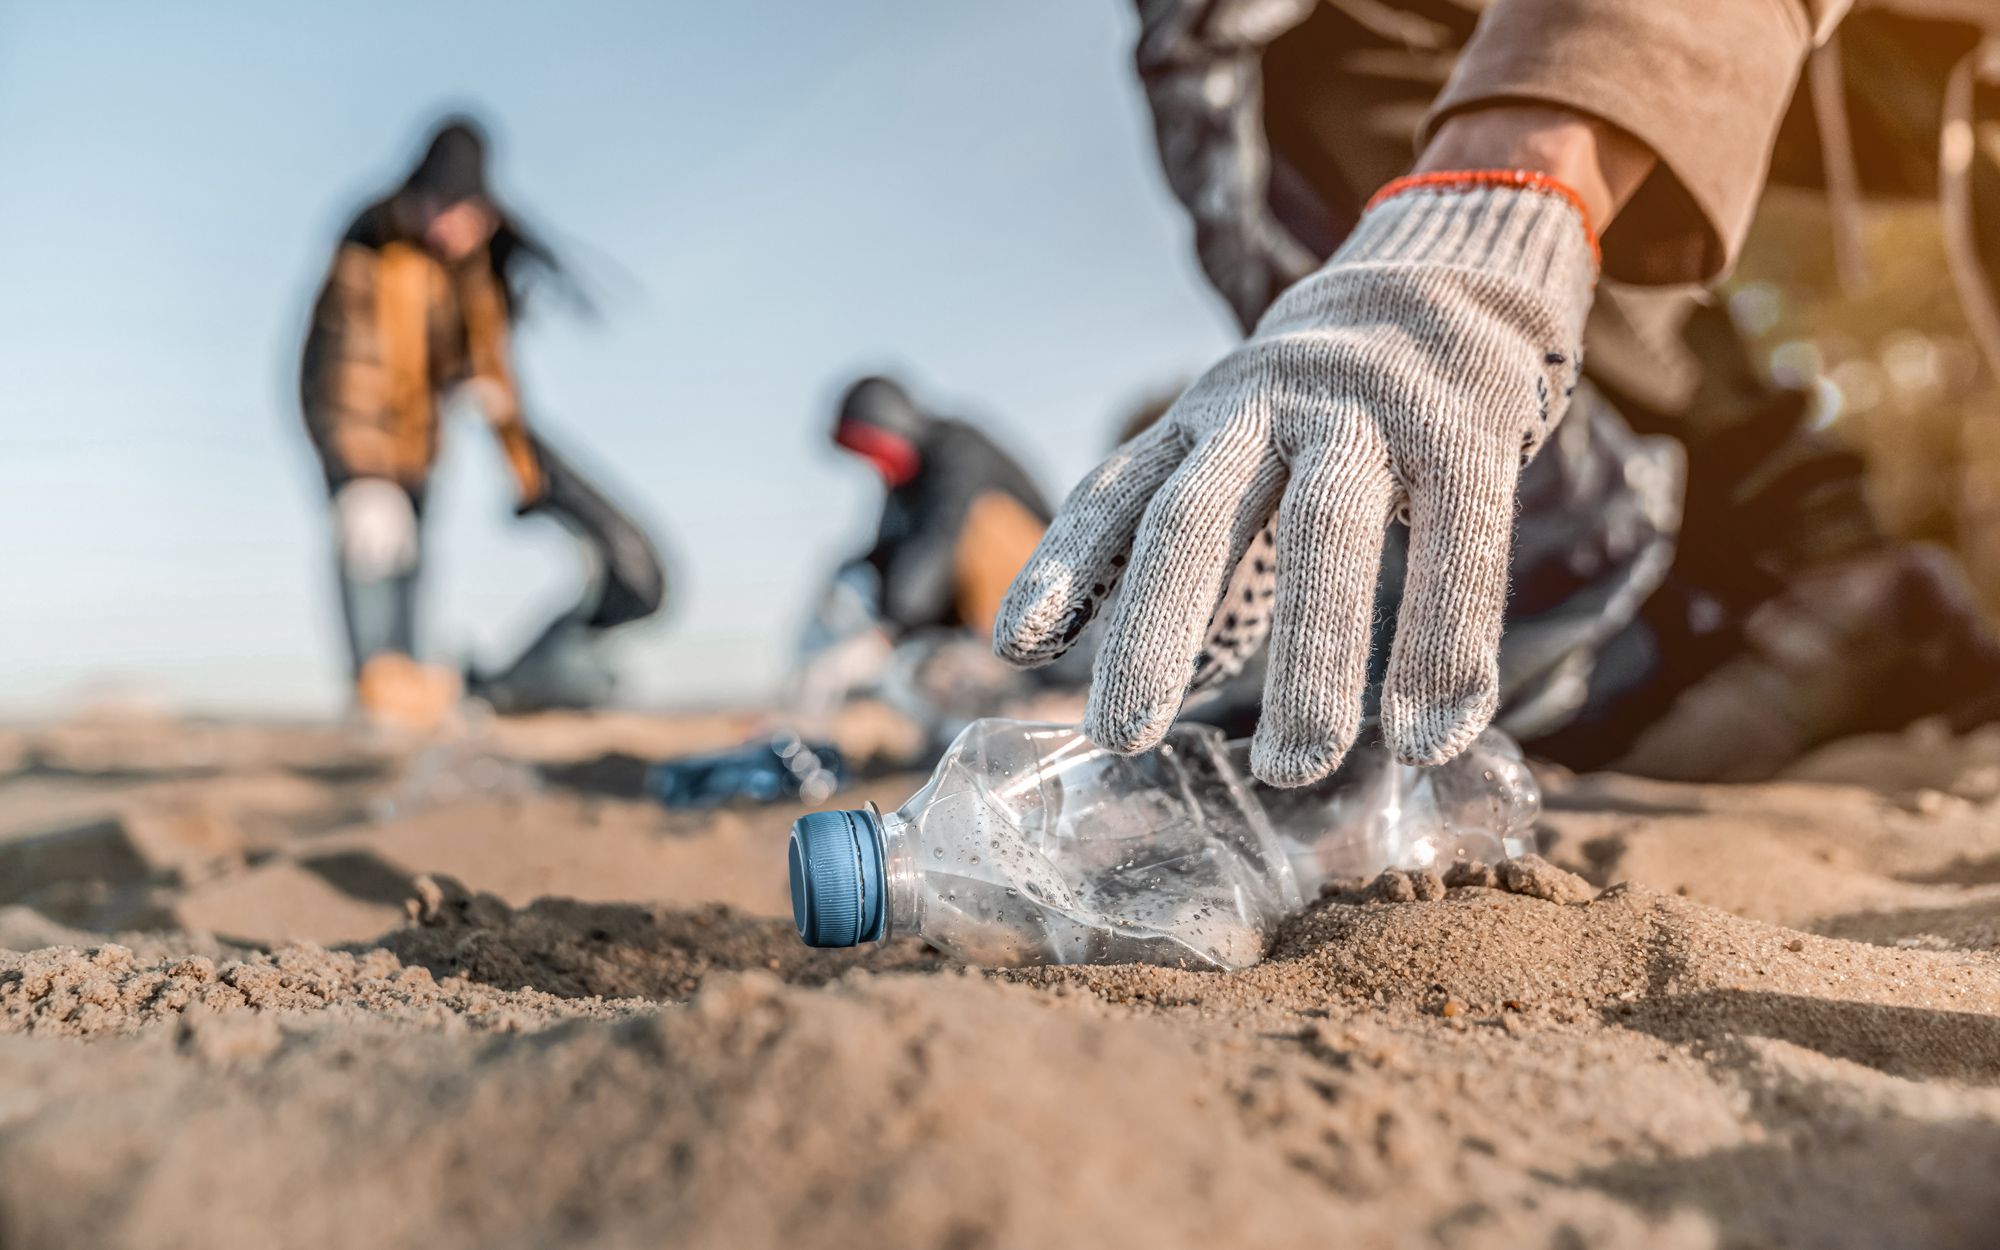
(1482, 179)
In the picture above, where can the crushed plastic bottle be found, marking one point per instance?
(1031, 845)
(775, 770)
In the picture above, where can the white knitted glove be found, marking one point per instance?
(1413, 375)
(375, 529)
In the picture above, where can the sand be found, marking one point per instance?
(281, 986)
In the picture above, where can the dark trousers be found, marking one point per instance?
(380, 613)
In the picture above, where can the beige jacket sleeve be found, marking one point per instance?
(1703, 83)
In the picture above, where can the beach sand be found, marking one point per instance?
(267, 985)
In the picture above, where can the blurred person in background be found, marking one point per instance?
(420, 301)
(909, 623)
(959, 516)
(1694, 584)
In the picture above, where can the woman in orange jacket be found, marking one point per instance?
(421, 298)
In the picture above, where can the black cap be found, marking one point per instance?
(454, 165)
(882, 404)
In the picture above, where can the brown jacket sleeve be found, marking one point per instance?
(1703, 83)
(486, 331)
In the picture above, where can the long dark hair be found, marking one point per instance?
(453, 169)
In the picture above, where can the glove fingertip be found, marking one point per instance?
(1430, 733)
(1039, 633)
(1025, 651)
(1041, 616)
(1288, 765)
(1125, 730)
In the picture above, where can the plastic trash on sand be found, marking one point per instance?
(778, 769)
(1032, 845)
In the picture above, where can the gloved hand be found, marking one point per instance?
(530, 484)
(495, 393)
(375, 530)
(1413, 375)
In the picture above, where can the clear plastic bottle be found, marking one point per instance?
(1032, 845)
(1375, 814)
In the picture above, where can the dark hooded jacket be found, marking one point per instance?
(958, 528)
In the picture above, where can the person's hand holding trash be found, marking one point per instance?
(1413, 375)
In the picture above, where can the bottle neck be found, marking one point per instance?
(902, 844)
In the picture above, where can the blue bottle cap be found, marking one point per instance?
(837, 878)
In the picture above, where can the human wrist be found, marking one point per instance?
(1603, 165)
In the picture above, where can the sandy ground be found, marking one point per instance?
(277, 986)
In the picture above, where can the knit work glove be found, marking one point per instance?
(1412, 376)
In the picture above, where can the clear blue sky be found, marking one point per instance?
(769, 197)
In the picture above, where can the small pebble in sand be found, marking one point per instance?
(1472, 873)
(1452, 1008)
(1935, 802)
(1538, 878)
(1398, 886)
(428, 900)
(1796, 944)
(1393, 886)
(197, 968)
